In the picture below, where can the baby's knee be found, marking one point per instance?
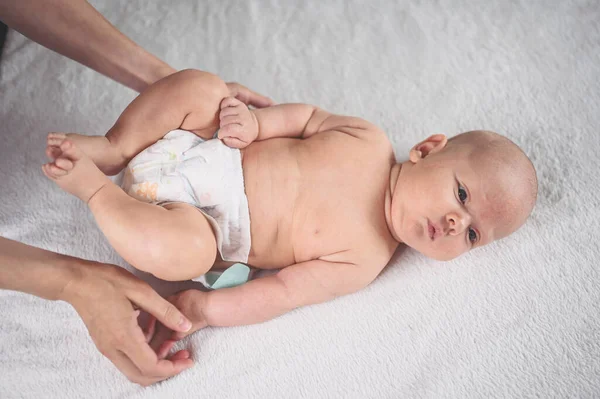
(188, 259)
(204, 82)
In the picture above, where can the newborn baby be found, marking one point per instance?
(290, 186)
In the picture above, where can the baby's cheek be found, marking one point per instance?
(450, 250)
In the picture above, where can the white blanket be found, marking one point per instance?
(518, 318)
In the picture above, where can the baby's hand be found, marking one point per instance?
(162, 339)
(238, 125)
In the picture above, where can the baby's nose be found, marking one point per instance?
(456, 222)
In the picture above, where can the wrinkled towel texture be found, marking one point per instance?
(518, 318)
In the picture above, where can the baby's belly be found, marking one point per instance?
(271, 181)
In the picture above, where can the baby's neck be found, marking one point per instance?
(389, 195)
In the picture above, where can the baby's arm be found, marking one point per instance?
(265, 298)
(187, 100)
(240, 126)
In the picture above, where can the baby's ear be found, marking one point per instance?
(430, 145)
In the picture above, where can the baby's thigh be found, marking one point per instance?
(187, 242)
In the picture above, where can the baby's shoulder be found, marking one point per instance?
(372, 248)
(359, 128)
(372, 133)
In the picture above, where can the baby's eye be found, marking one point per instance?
(472, 236)
(462, 194)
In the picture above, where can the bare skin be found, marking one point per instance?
(324, 192)
(76, 30)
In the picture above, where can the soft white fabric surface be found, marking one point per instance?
(518, 318)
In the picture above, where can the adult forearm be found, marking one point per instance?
(33, 270)
(76, 30)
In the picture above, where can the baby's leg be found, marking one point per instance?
(173, 244)
(107, 157)
(188, 100)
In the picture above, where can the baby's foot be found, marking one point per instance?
(106, 157)
(238, 126)
(74, 171)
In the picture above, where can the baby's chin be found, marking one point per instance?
(440, 256)
(427, 249)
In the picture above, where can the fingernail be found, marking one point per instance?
(185, 324)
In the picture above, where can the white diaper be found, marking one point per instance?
(182, 167)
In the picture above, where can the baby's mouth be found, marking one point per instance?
(435, 231)
(431, 230)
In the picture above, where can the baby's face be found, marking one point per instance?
(450, 202)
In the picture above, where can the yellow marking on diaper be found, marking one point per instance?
(147, 190)
(172, 156)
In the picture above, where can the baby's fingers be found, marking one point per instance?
(230, 120)
(229, 111)
(230, 102)
(231, 135)
(233, 142)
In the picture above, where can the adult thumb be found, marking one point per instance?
(163, 310)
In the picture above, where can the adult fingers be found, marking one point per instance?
(164, 349)
(182, 354)
(146, 360)
(248, 96)
(150, 328)
(133, 374)
(165, 312)
(257, 100)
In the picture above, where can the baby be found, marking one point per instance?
(291, 187)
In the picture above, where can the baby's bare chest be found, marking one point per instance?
(310, 199)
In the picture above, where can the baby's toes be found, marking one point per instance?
(54, 139)
(64, 164)
(53, 152)
(52, 171)
(70, 151)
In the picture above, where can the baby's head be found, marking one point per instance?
(462, 193)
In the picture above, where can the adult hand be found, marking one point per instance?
(191, 303)
(107, 298)
(248, 96)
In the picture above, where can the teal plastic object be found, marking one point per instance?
(234, 275)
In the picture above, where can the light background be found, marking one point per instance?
(518, 318)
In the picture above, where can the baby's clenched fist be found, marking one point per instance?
(238, 126)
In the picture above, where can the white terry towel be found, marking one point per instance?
(518, 318)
